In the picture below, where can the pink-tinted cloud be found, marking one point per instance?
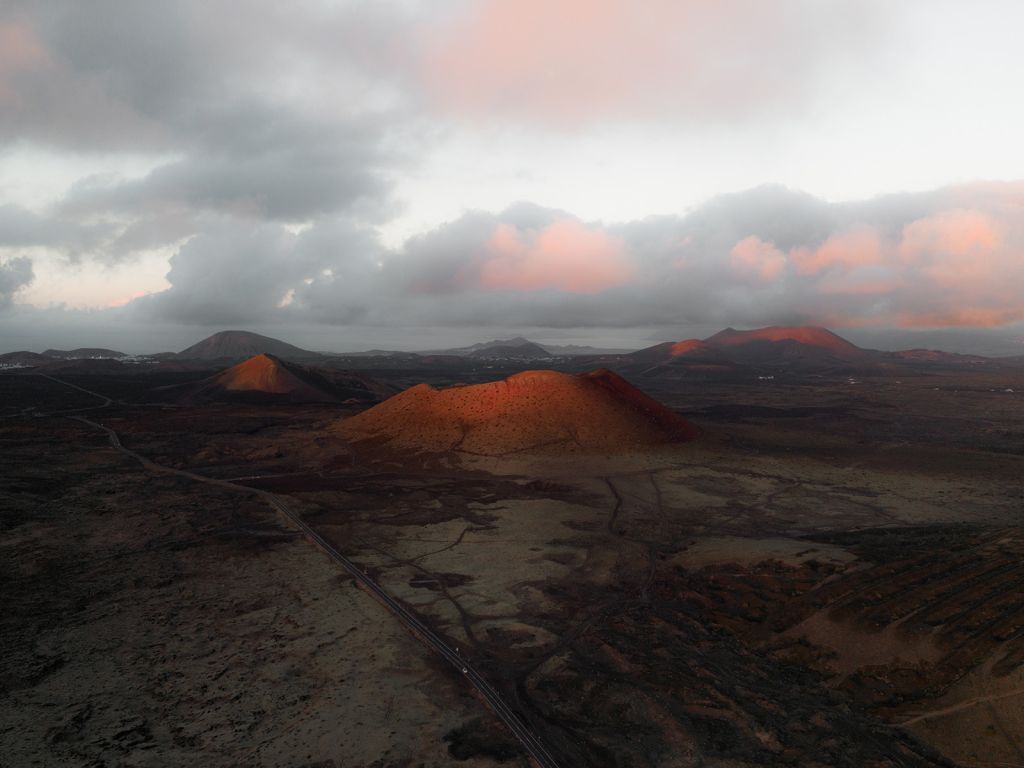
(960, 233)
(20, 50)
(764, 258)
(956, 248)
(975, 317)
(973, 260)
(955, 266)
(565, 255)
(124, 300)
(753, 257)
(845, 251)
(574, 60)
(858, 287)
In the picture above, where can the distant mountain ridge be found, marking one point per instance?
(797, 347)
(526, 351)
(803, 347)
(938, 356)
(523, 348)
(85, 352)
(481, 348)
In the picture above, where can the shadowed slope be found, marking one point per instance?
(671, 350)
(597, 412)
(687, 359)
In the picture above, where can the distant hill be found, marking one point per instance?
(937, 356)
(784, 341)
(241, 345)
(525, 351)
(582, 350)
(85, 353)
(733, 353)
(266, 378)
(800, 345)
(377, 353)
(533, 411)
(551, 350)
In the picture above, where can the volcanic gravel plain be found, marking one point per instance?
(830, 575)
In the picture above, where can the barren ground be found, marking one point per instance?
(832, 576)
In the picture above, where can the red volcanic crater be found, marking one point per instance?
(533, 411)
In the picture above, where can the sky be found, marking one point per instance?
(418, 173)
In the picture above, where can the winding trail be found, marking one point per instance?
(534, 747)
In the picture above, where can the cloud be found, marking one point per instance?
(579, 60)
(844, 251)
(15, 274)
(237, 272)
(266, 145)
(766, 256)
(268, 116)
(20, 51)
(293, 170)
(565, 255)
(119, 75)
(753, 256)
(21, 228)
(970, 261)
(960, 234)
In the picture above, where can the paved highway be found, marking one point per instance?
(531, 743)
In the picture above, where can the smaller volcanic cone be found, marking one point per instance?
(266, 378)
(265, 373)
(533, 411)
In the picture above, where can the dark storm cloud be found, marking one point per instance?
(15, 274)
(234, 274)
(123, 75)
(259, 115)
(299, 172)
(21, 228)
